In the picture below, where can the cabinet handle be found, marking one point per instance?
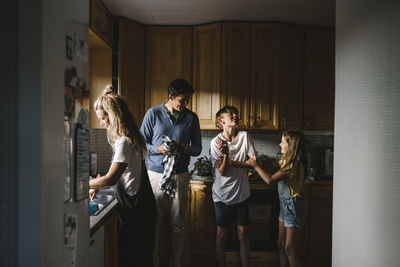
(248, 121)
(306, 123)
(255, 121)
(284, 123)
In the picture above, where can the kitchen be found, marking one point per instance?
(217, 57)
(48, 213)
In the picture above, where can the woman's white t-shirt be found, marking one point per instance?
(234, 187)
(125, 153)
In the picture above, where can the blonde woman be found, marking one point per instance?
(293, 206)
(128, 174)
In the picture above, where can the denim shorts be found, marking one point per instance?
(238, 213)
(293, 211)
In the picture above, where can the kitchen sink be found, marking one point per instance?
(102, 199)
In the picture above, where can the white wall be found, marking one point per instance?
(366, 197)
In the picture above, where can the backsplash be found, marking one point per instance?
(100, 145)
(265, 143)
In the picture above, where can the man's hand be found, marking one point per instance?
(161, 150)
(182, 148)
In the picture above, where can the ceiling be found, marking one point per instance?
(193, 12)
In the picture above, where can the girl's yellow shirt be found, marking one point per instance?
(295, 178)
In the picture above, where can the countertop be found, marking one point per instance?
(96, 221)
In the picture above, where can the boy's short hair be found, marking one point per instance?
(226, 109)
(180, 87)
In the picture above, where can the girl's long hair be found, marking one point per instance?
(296, 149)
(122, 122)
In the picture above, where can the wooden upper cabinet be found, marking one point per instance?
(101, 21)
(207, 73)
(169, 56)
(265, 76)
(100, 73)
(291, 89)
(236, 43)
(319, 79)
(131, 66)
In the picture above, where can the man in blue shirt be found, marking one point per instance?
(174, 120)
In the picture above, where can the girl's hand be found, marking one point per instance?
(92, 193)
(223, 147)
(252, 162)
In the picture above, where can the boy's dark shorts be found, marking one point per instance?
(238, 213)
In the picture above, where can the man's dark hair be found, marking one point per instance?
(180, 87)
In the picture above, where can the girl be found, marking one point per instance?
(129, 176)
(293, 206)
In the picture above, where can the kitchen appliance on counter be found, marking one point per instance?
(93, 164)
(319, 162)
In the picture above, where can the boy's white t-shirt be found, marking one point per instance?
(234, 187)
(124, 153)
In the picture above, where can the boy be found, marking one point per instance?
(231, 188)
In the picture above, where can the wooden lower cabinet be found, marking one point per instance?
(257, 259)
(202, 226)
(318, 241)
(111, 240)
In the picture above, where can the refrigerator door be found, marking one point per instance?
(82, 162)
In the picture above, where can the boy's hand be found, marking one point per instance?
(223, 147)
(252, 162)
(218, 162)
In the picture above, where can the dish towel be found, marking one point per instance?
(167, 184)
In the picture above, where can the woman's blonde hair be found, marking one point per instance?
(122, 122)
(296, 149)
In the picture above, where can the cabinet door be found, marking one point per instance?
(111, 241)
(265, 80)
(131, 66)
(207, 73)
(202, 229)
(101, 21)
(236, 69)
(291, 89)
(100, 73)
(320, 225)
(319, 79)
(169, 56)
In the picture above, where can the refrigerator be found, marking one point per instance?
(76, 136)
